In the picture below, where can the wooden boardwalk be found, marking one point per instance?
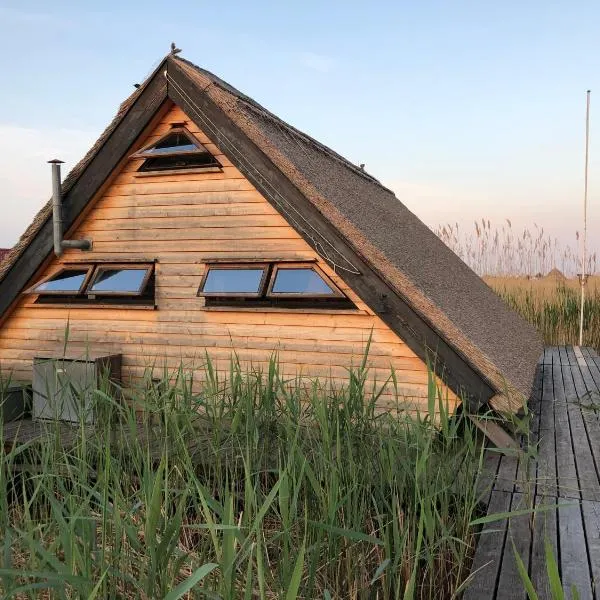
(559, 469)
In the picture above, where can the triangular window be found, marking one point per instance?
(178, 149)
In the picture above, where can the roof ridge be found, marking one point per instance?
(265, 112)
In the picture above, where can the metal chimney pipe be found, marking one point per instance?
(57, 206)
(57, 219)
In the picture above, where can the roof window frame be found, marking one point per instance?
(337, 293)
(239, 266)
(145, 154)
(84, 267)
(99, 268)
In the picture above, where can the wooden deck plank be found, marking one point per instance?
(535, 404)
(547, 356)
(571, 355)
(507, 473)
(567, 431)
(546, 480)
(574, 568)
(547, 409)
(510, 586)
(591, 522)
(588, 483)
(544, 528)
(587, 472)
(488, 558)
(487, 480)
(565, 458)
(563, 357)
(554, 355)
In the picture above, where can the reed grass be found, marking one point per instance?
(502, 250)
(553, 307)
(252, 487)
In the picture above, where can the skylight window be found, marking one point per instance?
(66, 281)
(174, 143)
(300, 281)
(280, 285)
(122, 280)
(178, 149)
(99, 284)
(234, 280)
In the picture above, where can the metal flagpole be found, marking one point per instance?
(585, 196)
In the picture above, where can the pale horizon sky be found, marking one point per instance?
(465, 109)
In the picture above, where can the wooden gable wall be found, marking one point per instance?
(183, 220)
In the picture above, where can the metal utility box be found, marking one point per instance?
(63, 387)
(16, 402)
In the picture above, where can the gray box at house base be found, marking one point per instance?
(63, 389)
(16, 402)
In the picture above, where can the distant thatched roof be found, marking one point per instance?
(556, 275)
(416, 267)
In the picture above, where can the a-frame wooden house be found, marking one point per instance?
(215, 227)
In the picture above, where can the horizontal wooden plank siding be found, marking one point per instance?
(181, 221)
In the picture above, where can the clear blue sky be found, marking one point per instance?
(465, 109)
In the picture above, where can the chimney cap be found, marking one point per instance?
(56, 161)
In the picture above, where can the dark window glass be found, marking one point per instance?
(300, 281)
(174, 142)
(119, 281)
(65, 281)
(181, 161)
(233, 281)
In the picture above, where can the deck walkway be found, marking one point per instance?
(560, 470)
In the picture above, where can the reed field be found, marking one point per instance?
(535, 275)
(553, 306)
(252, 487)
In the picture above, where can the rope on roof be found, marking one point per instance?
(322, 245)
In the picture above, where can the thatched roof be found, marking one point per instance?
(415, 265)
(556, 275)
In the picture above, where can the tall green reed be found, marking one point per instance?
(242, 484)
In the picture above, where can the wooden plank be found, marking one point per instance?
(188, 210)
(547, 401)
(207, 185)
(495, 433)
(546, 473)
(544, 528)
(192, 234)
(535, 403)
(487, 478)
(242, 248)
(571, 356)
(567, 472)
(554, 355)
(587, 474)
(591, 523)
(574, 568)
(488, 556)
(546, 476)
(510, 585)
(583, 458)
(507, 473)
(563, 358)
(137, 179)
(205, 197)
(580, 359)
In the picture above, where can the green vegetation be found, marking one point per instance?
(250, 487)
(555, 310)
